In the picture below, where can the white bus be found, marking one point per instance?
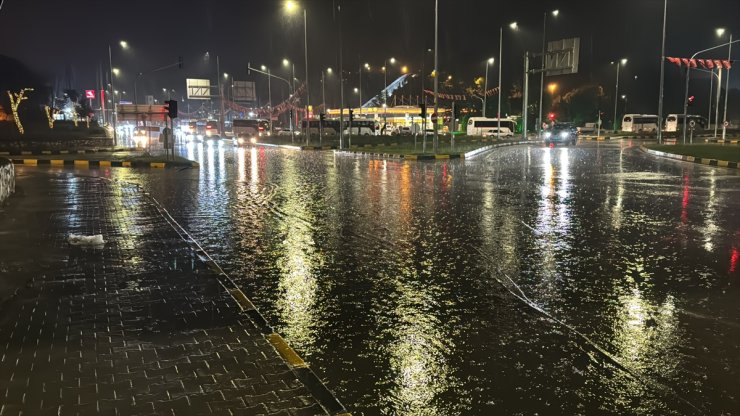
(637, 123)
(674, 122)
(479, 126)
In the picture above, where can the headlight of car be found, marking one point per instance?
(240, 140)
(564, 134)
(253, 140)
(548, 135)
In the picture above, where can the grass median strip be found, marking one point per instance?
(703, 151)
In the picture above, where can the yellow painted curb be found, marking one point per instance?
(690, 158)
(601, 138)
(126, 164)
(30, 162)
(105, 163)
(242, 299)
(57, 162)
(157, 165)
(81, 163)
(285, 351)
(723, 163)
(410, 157)
(441, 156)
(705, 161)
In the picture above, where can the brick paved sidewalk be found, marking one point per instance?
(138, 327)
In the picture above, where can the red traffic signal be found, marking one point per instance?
(551, 116)
(691, 100)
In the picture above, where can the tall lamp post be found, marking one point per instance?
(385, 89)
(291, 85)
(290, 7)
(619, 64)
(485, 88)
(323, 86)
(512, 26)
(269, 94)
(554, 13)
(721, 32)
(436, 75)
(114, 116)
(662, 75)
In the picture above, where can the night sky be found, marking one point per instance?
(51, 35)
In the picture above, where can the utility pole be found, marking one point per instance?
(269, 97)
(221, 98)
(716, 107)
(662, 76)
(341, 80)
(436, 74)
(500, 65)
(525, 97)
(113, 101)
(616, 100)
(542, 74)
(305, 52)
(727, 92)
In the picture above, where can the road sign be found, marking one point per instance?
(90, 94)
(150, 100)
(434, 117)
(198, 89)
(245, 91)
(562, 57)
(726, 123)
(132, 112)
(692, 124)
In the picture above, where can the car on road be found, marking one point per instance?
(563, 133)
(505, 132)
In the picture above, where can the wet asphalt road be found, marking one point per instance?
(583, 280)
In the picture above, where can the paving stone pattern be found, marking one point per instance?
(138, 327)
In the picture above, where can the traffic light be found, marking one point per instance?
(691, 100)
(171, 108)
(423, 107)
(351, 115)
(180, 64)
(322, 117)
(551, 116)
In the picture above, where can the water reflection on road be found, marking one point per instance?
(391, 277)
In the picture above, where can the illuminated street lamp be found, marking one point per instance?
(291, 7)
(619, 64)
(552, 88)
(554, 13)
(512, 26)
(489, 62)
(115, 71)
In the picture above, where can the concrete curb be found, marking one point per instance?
(720, 141)
(38, 152)
(92, 164)
(7, 179)
(403, 156)
(298, 366)
(476, 152)
(699, 160)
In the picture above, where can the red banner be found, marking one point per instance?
(700, 63)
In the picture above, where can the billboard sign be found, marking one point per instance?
(198, 89)
(90, 94)
(133, 112)
(245, 91)
(562, 57)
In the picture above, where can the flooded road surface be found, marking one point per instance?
(582, 280)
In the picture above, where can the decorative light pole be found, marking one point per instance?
(485, 88)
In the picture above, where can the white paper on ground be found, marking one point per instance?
(85, 240)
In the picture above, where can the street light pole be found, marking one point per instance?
(305, 52)
(113, 110)
(662, 76)
(500, 66)
(616, 94)
(727, 92)
(269, 97)
(485, 88)
(436, 74)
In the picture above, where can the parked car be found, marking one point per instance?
(494, 133)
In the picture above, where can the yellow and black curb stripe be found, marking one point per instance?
(91, 164)
(720, 141)
(298, 366)
(692, 159)
(8, 152)
(318, 147)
